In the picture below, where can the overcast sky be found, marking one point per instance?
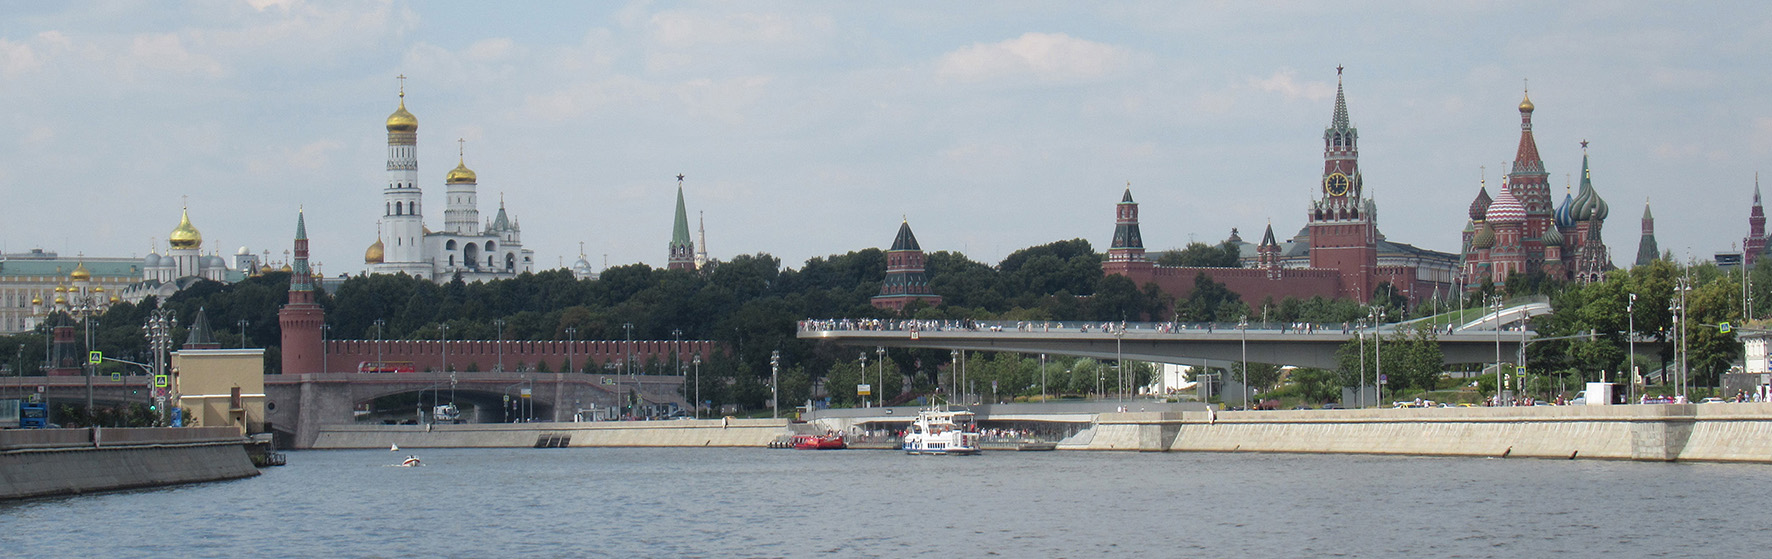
(807, 129)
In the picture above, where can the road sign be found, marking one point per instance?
(162, 381)
(95, 357)
(1520, 370)
(525, 392)
(160, 393)
(507, 397)
(608, 381)
(116, 377)
(864, 390)
(1724, 328)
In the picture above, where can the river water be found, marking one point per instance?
(628, 502)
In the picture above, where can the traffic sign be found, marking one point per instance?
(864, 390)
(116, 377)
(1520, 370)
(161, 381)
(1724, 327)
(95, 357)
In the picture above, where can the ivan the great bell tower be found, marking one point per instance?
(1343, 230)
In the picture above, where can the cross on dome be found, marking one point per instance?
(402, 78)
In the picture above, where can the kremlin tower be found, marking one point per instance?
(1755, 243)
(682, 255)
(1127, 251)
(1647, 249)
(905, 281)
(403, 217)
(302, 318)
(1343, 233)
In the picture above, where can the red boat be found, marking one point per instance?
(815, 442)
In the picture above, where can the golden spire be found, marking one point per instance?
(80, 273)
(461, 174)
(1526, 99)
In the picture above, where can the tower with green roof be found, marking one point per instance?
(682, 247)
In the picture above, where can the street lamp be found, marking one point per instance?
(1495, 309)
(627, 358)
(443, 346)
(880, 375)
(863, 377)
(1631, 340)
(1119, 369)
(1042, 378)
(500, 324)
(325, 329)
(571, 340)
(697, 406)
(1378, 358)
(378, 324)
(1243, 330)
(775, 384)
(953, 372)
(159, 329)
(243, 323)
(677, 340)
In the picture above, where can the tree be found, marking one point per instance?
(1201, 255)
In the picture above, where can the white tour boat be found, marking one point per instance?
(941, 432)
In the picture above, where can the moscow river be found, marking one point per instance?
(630, 502)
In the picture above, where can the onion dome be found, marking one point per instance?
(98, 289)
(1480, 206)
(152, 261)
(80, 273)
(114, 299)
(215, 261)
(266, 269)
(185, 235)
(401, 120)
(60, 299)
(375, 253)
(1552, 237)
(60, 289)
(1506, 209)
(36, 301)
(1485, 237)
(1566, 212)
(1526, 104)
(461, 174)
(286, 268)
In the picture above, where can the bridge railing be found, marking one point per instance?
(1044, 326)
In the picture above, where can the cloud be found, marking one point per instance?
(682, 30)
(168, 52)
(17, 58)
(1285, 83)
(1045, 57)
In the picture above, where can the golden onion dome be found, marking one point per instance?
(80, 273)
(461, 174)
(374, 254)
(401, 120)
(114, 299)
(60, 289)
(266, 269)
(37, 301)
(1526, 104)
(60, 300)
(286, 268)
(185, 235)
(99, 289)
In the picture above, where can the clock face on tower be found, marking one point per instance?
(1335, 185)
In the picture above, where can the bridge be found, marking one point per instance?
(1285, 344)
(297, 405)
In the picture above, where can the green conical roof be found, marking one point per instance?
(680, 230)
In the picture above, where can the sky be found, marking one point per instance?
(811, 129)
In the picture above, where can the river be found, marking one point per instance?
(633, 502)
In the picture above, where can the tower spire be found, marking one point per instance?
(682, 249)
(1340, 119)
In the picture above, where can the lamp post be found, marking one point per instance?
(159, 329)
(571, 340)
(677, 340)
(1378, 358)
(500, 325)
(697, 406)
(1495, 308)
(880, 375)
(1360, 333)
(325, 331)
(862, 378)
(443, 346)
(627, 355)
(775, 384)
(243, 323)
(1243, 330)
(378, 325)
(1630, 333)
(953, 372)
(1042, 378)
(1119, 369)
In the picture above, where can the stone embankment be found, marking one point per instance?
(43, 462)
(1672, 432)
(678, 433)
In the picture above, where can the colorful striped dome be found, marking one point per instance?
(1566, 212)
(1480, 206)
(1506, 209)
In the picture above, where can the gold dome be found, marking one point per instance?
(266, 269)
(1526, 104)
(99, 289)
(114, 299)
(402, 121)
(80, 273)
(286, 268)
(60, 300)
(60, 289)
(37, 301)
(374, 254)
(185, 235)
(461, 174)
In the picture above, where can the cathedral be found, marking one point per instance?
(1339, 253)
(464, 247)
(1520, 232)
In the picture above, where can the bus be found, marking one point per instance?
(386, 367)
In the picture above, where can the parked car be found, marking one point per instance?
(1332, 406)
(1713, 400)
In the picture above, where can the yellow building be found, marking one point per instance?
(221, 387)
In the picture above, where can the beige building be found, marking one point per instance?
(220, 387)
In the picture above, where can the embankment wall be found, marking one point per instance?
(702, 432)
(37, 463)
(1684, 432)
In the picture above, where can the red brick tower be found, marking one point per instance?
(1756, 229)
(1343, 235)
(905, 280)
(302, 317)
(1126, 254)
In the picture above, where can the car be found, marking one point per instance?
(1332, 406)
(1713, 400)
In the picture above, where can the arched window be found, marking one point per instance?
(510, 261)
(397, 208)
(490, 246)
(449, 245)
